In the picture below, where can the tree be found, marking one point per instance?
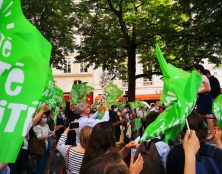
(116, 32)
(55, 20)
(201, 36)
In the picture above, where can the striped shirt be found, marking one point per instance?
(74, 159)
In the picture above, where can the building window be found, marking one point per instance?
(77, 82)
(83, 68)
(147, 82)
(67, 66)
(124, 83)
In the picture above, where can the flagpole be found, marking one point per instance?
(188, 127)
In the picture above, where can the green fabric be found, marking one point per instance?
(136, 104)
(24, 62)
(74, 94)
(113, 90)
(217, 110)
(79, 92)
(137, 124)
(101, 115)
(179, 96)
(52, 94)
(56, 113)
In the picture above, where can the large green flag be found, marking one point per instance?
(79, 92)
(24, 62)
(179, 96)
(217, 110)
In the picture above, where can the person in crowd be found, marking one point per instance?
(154, 107)
(115, 120)
(126, 112)
(74, 155)
(70, 117)
(43, 133)
(83, 109)
(60, 123)
(207, 154)
(218, 137)
(214, 84)
(112, 162)
(191, 146)
(142, 114)
(204, 101)
(100, 141)
(21, 166)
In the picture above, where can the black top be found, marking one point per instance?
(113, 119)
(215, 87)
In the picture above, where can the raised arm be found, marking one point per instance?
(61, 147)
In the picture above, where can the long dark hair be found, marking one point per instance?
(108, 163)
(101, 140)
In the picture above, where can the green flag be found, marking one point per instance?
(52, 93)
(136, 104)
(79, 92)
(113, 90)
(48, 92)
(24, 62)
(217, 110)
(179, 96)
(74, 94)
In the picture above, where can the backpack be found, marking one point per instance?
(152, 162)
(205, 163)
(35, 146)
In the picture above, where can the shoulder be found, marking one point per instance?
(205, 79)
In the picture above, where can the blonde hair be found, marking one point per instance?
(84, 135)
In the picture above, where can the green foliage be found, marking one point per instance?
(55, 20)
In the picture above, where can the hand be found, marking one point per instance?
(191, 143)
(137, 166)
(52, 134)
(45, 108)
(218, 137)
(105, 107)
(100, 108)
(131, 145)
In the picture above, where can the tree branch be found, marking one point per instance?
(148, 75)
(112, 8)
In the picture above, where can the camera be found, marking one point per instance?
(73, 125)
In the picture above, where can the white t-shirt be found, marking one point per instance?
(206, 80)
(41, 131)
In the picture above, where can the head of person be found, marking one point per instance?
(108, 163)
(93, 110)
(44, 119)
(199, 69)
(196, 122)
(72, 107)
(114, 108)
(101, 140)
(84, 135)
(82, 109)
(207, 73)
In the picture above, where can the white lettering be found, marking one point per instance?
(16, 110)
(28, 121)
(3, 67)
(7, 48)
(2, 109)
(15, 76)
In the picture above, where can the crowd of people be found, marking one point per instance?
(108, 145)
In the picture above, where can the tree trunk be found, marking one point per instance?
(131, 73)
